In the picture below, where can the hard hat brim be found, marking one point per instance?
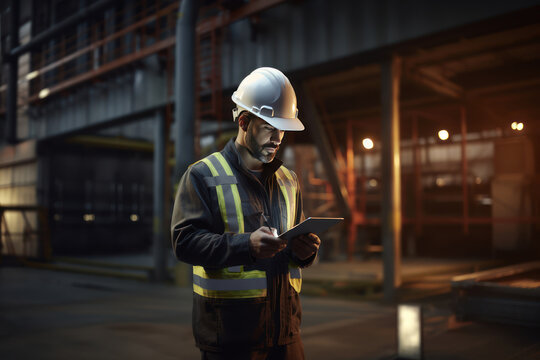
(284, 124)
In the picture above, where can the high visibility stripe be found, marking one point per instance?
(236, 194)
(220, 180)
(219, 274)
(229, 284)
(221, 197)
(295, 272)
(237, 294)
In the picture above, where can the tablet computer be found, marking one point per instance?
(314, 225)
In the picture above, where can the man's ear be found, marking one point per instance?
(243, 121)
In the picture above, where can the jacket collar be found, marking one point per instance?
(231, 154)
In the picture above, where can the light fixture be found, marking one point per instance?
(134, 217)
(32, 75)
(478, 180)
(373, 182)
(89, 217)
(443, 135)
(440, 182)
(409, 332)
(518, 126)
(44, 93)
(367, 143)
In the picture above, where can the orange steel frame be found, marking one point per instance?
(358, 195)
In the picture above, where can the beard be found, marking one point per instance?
(260, 152)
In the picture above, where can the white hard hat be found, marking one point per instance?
(268, 94)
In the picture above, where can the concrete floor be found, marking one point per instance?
(58, 315)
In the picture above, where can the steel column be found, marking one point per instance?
(417, 160)
(184, 81)
(391, 177)
(160, 142)
(464, 170)
(13, 73)
(351, 188)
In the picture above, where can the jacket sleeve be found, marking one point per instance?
(299, 218)
(197, 229)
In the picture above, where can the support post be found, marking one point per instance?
(464, 170)
(417, 160)
(391, 177)
(351, 188)
(160, 260)
(13, 73)
(184, 84)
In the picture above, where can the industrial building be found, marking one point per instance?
(422, 117)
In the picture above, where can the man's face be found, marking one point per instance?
(262, 139)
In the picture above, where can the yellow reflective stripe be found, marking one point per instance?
(243, 294)
(236, 194)
(292, 183)
(223, 274)
(287, 205)
(221, 197)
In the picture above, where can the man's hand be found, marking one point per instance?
(306, 245)
(263, 244)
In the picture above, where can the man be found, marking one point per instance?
(228, 210)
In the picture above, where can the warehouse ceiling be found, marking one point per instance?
(496, 76)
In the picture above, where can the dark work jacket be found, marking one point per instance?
(198, 238)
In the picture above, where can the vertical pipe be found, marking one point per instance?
(464, 170)
(13, 71)
(160, 260)
(351, 189)
(391, 177)
(184, 81)
(417, 160)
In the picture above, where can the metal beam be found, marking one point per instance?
(184, 84)
(318, 134)
(56, 29)
(227, 18)
(436, 82)
(391, 177)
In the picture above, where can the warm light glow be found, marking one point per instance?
(32, 75)
(443, 135)
(478, 181)
(440, 182)
(518, 126)
(134, 217)
(373, 182)
(89, 217)
(44, 93)
(409, 332)
(367, 143)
